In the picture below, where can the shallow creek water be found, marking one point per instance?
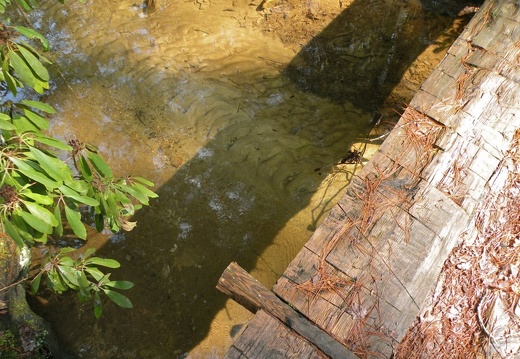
(229, 107)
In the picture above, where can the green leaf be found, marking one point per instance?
(33, 34)
(103, 208)
(84, 168)
(5, 122)
(22, 228)
(113, 224)
(40, 237)
(35, 283)
(39, 106)
(85, 288)
(35, 222)
(99, 220)
(40, 86)
(36, 119)
(74, 219)
(69, 193)
(24, 4)
(120, 284)
(84, 294)
(122, 197)
(49, 141)
(118, 298)
(112, 209)
(100, 165)
(147, 192)
(33, 3)
(39, 198)
(59, 228)
(25, 167)
(141, 197)
(55, 282)
(22, 70)
(42, 213)
(31, 48)
(143, 181)
(98, 308)
(105, 262)
(95, 273)
(80, 186)
(66, 250)
(66, 261)
(83, 281)
(23, 124)
(69, 275)
(55, 167)
(10, 80)
(103, 280)
(12, 231)
(88, 253)
(35, 64)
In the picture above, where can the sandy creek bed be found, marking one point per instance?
(229, 107)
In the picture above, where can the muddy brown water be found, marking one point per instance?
(229, 107)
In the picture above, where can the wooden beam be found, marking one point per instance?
(239, 285)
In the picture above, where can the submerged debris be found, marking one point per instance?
(351, 158)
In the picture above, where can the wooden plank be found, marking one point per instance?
(439, 83)
(267, 337)
(459, 48)
(444, 109)
(452, 66)
(411, 143)
(306, 288)
(450, 171)
(235, 353)
(484, 59)
(503, 117)
(340, 307)
(393, 274)
(511, 73)
(367, 260)
(480, 21)
(244, 289)
(483, 90)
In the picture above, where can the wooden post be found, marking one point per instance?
(239, 285)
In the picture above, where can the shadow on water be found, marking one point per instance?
(200, 222)
(362, 55)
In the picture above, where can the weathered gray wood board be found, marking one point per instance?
(244, 289)
(367, 270)
(267, 337)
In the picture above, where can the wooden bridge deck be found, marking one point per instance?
(366, 272)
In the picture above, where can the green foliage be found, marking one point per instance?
(27, 5)
(21, 62)
(27, 343)
(8, 344)
(40, 192)
(84, 276)
(38, 189)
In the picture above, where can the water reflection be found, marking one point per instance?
(231, 125)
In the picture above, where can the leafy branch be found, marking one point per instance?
(84, 276)
(40, 192)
